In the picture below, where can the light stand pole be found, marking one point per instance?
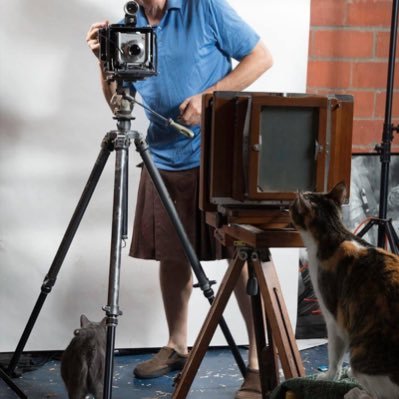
(385, 227)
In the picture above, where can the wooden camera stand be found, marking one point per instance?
(256, 152)
(268, 307)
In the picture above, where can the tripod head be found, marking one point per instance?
(122, 104)
(121, 107)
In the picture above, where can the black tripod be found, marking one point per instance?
(385, 227)
(118, 140)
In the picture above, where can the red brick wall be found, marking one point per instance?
(348, 53)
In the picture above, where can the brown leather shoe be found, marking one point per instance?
(166, 360)
(250, 388)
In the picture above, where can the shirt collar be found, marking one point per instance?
(171, 4)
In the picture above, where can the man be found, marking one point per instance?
(196, 41)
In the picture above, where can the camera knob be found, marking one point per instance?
(131, 8)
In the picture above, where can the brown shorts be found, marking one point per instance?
(155, 237)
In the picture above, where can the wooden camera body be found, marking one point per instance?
(259, 149)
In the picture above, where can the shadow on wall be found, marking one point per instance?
(51, 106)
(53, 119)
(49, 72)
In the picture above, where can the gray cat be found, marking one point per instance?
(83, 361)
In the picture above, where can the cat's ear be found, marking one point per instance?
(84, 321)
(104, 322)
(303, 204)
(338, 193)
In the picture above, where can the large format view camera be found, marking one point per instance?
(259, 149)
(127, 52)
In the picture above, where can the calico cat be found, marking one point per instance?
(358, 289)
(83, 361)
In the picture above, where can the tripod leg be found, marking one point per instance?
(4, 376)
(112, 307)
(51, 276)
(125, 198)
(392, 237)
(366, 228)
(268, 366)
(277, 315)
(205, 335)
(203, 281)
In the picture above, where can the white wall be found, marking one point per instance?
(53, 119)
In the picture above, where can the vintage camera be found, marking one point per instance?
(278, 143)
(127, 52)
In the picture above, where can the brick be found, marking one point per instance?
(380, 105)
(367, 133)
(329, 74)
(382, 45)
(341, 43)
(325, 92)
(311, 39)
(312, 90)
(363, 103)
(369, 13)
(327, 12)
(370, 75)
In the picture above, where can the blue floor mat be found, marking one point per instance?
(217, 378)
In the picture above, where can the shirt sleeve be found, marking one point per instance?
(233, 35)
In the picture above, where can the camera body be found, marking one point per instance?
(127, 52)
(279, 143)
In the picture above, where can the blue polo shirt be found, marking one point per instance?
(196, 41)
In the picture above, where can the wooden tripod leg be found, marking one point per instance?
(271, 361)
(267, 357)
(277, 316)
(207, 331)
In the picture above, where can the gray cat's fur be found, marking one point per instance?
(82, 363)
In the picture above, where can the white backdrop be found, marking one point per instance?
(53, 119)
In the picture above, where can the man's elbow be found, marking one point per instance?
(264, 56)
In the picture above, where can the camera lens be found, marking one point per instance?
(131, 8)
(134, 50)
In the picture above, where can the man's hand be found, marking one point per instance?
(190, 110)
(92, 36)
(108, 87)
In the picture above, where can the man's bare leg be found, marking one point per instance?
(176, 287)
(251, 387)
(244, 303)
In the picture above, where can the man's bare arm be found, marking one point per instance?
(247, 70)
(244, 74)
